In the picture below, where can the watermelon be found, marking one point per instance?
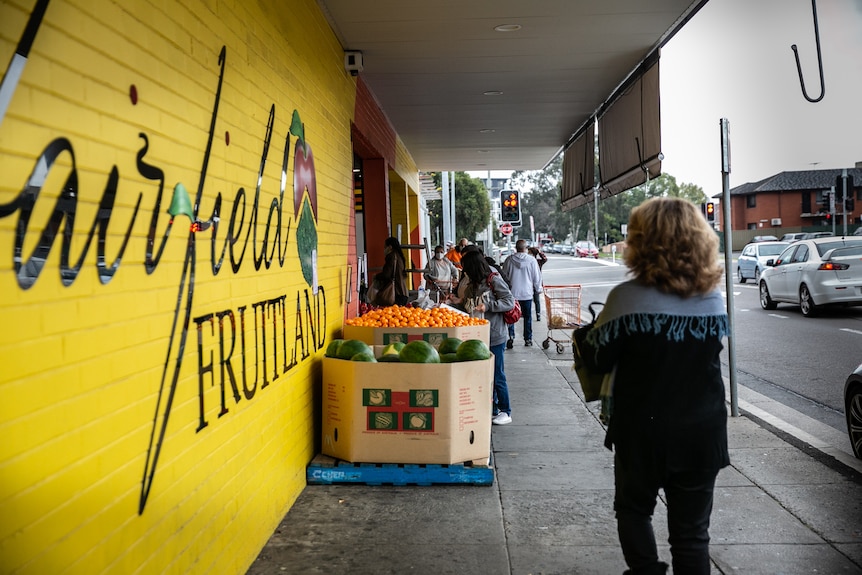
(389, 358)
(448, 357)
(332, 348)
(351, 347)
(393, 348)
(449, 345)
(364, 356)
(472, 350)
(419, 351)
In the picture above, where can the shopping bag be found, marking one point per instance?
(591, 381)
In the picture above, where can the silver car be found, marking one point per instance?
(752, 261)
(814, 273)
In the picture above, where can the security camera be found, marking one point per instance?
(353, 62)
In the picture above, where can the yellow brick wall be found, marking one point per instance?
(121, 454)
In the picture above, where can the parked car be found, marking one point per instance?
(858, 231)
(815, 235)
(814, 273)
(752, 261)
(566, 248)
(853, 409)
(585, 249)
(758, 239)
(792, 237)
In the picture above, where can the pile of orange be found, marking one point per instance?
(403, 316)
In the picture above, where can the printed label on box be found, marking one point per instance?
(408, 410)
(382, 420)
(424, 398)
(434, 339)
(418, 421)
(376, 397)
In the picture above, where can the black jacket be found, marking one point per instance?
(669, 409)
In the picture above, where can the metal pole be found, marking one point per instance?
(447, 226)
(596, 197)
(728, 263)
(844, 199)
(452, 207)
(832, 205)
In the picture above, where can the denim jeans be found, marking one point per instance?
(501, 388)
(537, 300)
(689, 506)
(527, 317)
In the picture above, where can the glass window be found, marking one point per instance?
(751, 200)
(801, 255)
(784, 258)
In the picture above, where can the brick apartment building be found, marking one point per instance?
(795, 201)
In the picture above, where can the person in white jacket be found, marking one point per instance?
(523, 271)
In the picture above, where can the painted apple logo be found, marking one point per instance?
(304, 201)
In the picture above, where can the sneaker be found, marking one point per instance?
(528, 342)
(510, 344)
(502, 418)
(538, 318)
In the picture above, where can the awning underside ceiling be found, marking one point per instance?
(431, 63)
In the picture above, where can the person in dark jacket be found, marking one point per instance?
(394, 269)
(660, 336)
(541, 259)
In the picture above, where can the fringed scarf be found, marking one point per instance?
(633, 308)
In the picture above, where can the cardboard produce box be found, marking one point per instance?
(407, 412)
(433, 335)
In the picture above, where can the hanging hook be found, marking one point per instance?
(819, 60)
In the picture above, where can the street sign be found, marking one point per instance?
(506, 229)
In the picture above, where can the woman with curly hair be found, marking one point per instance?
(660, 334)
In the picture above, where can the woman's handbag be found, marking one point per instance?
(381, 292)
(591, 381)
(514, 314)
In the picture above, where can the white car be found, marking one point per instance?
(814, 273)
(752, 261)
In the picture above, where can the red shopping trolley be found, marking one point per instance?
(563, 312)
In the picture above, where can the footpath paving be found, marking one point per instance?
(782, 507)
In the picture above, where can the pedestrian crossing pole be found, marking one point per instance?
(728, 263)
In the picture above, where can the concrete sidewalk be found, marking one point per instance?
(782, 507)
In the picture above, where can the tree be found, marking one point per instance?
(472, 206)
(543, 203)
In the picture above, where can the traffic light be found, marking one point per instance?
(710, 212)
(510, 206)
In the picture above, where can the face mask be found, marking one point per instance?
(438, 256)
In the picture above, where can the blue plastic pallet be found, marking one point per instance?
(325, 470)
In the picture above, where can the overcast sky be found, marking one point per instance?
(733, 60)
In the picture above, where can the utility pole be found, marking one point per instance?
(728, 264)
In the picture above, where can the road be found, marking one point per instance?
(798, 363)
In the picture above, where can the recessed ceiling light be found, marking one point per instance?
(484, 151)
(487, 131)
(507, 27)
(493, 93)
